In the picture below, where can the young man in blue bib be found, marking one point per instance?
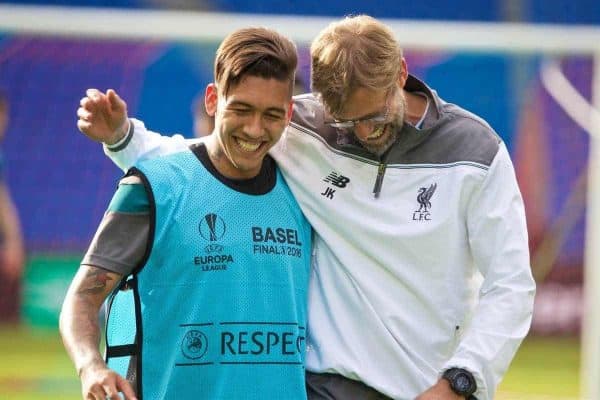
(203, 254)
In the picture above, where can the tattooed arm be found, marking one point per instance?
(81, 334)
(117, 248)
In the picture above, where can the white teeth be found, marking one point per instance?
(376, 133)
(248, 146)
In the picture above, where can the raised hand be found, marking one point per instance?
(103, 116)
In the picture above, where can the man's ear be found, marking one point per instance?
(211, 99)
(403, 73)
(290, 110)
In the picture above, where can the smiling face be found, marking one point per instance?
(357, 68)
(249, 120)
(365, 103)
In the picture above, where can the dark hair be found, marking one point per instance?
(257, 52)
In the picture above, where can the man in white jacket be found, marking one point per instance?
(421, 285)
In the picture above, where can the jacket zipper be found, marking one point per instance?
(379, 180)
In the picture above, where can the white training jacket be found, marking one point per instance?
(431, 273)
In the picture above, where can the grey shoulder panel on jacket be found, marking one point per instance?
(457, 136)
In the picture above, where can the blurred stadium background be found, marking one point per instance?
(61, 182)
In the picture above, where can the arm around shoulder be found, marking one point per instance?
(141, 144)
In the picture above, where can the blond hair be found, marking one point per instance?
(354, 52)
(257, 52)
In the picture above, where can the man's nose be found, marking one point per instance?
(255, 126)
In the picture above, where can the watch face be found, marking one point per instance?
(462, 383)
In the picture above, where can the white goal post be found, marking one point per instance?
(425, 35)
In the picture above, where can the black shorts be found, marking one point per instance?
(338, 387)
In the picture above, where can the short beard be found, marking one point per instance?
(395, 126)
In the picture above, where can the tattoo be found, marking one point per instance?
(94, 281)
(79, 316)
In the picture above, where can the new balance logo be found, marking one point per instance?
(337, 180)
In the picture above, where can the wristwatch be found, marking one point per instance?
(461, 381)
